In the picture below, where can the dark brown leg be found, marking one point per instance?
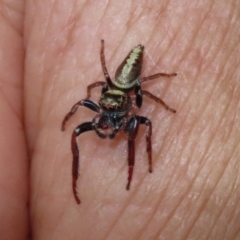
(148, 123)
(93, 85)
(158, 100)
(157, 76)
(86, 103)
(131, 129)
(105, 72)
(75, 152)
(131, 161)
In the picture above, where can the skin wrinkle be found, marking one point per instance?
(132, 22)
(224, 206)
(226, 233)
(125, 206)
(220, 213)
(171, 214)
(203, 207)
(173, 170)
(227, 58)
(52, 170)
(196, 175)
(190, 186)
(69, 39)
(172, 38)
(234, 117)
(154, 210)
(37, 182)
(204, 108)
(185, 51)
(229, 132)
(128, 22)
(15, 10)
(97, 190)
(236, 184)
(14, 189)
(190, 44)
(237, 232)
(121, 169)
(163, 8)
(29, 26)
(213, 189)
(59, 220)
(16, 114)
(218, 85)
(234, 190)
(176, 33)
(45, 84)
(101, 73)
(217, 52)
(114, 180)
(7, 21)
(165, 192)
(117, 49)
(13, 85)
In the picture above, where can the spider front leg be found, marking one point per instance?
(104, 68)
(88, 126)
(108, 82)
(96, 84)
(86, 103)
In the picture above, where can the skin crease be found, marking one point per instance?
(13, 161)
(193, 191)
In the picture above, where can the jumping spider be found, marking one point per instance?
(114, 111)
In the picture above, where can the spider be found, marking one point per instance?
(114, 111)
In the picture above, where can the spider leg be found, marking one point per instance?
(139, 96)
(131, 129)
(104, 68)
(147, 122)
(139, 92)
(86, 103)
(157, 76)
(96, 84)
(87, 126)
(158, 100)
(131, 161)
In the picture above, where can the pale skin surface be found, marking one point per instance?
(13, 162)
(193, 192)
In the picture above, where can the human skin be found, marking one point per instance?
(13, 162)
(193, 191)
